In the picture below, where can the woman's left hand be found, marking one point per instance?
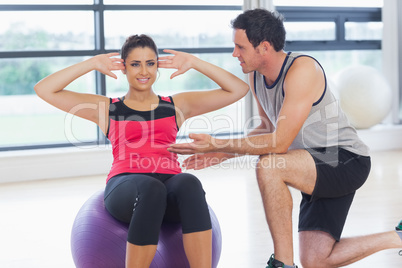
(181, 61)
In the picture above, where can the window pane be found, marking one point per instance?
(174, 2)
(49, 2)
(20, 75)
(172, 33)
(324, 3)
(26, 118)
(228, 119)
(45, 30)
(363, 30)
(309, 31)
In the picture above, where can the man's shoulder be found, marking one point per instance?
(305, 63)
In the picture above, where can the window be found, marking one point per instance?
(27, 120)
(337, 33)
(41, 37)
(45, 30)
(196, 32)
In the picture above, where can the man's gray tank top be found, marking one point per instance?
(326, 125)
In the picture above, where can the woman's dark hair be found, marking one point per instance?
(262, 25)
(135, 41)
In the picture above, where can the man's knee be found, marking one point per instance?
(315, 249)
(267, 168)
(309, 260)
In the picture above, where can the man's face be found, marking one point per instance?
(244, 51)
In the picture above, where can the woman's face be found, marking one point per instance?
(141, 68)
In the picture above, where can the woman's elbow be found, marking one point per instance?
(245, 89)
(38, 90)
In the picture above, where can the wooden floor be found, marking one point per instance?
(36, 217)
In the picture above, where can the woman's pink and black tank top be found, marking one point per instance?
(140, 138)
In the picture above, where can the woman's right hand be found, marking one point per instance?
(92, 107)
(106, 63)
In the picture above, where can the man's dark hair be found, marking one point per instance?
(262, 25)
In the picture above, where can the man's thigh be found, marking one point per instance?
(339, 172)
(296, 168)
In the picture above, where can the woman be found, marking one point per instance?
(145, 185)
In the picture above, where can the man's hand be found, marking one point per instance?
(200, 161)
(203, 143)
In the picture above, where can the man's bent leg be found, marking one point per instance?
(274, 174)
(320, 249)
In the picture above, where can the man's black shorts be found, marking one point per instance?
(339, 174)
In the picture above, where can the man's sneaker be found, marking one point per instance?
(399, 230)
(274, 263)
(399, 227)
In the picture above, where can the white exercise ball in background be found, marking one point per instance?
(364, 95)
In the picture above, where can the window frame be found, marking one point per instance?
(338, 15)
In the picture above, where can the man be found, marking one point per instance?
(302, 124)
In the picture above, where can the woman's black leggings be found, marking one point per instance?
(145, 200)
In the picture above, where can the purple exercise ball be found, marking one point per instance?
(99, 241)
